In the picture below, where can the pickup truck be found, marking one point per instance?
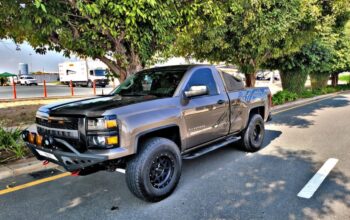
(149, 123)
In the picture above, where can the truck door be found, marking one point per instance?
(206, 117)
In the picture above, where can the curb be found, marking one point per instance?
(24, 166)
(41, 98)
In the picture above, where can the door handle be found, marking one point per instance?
(220, 102)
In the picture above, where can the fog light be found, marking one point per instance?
(39, 140)
(47, 141)
(99, 140)
(24, 135)
(31, 138)
(112, 140)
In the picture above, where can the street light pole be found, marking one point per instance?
(31, 63)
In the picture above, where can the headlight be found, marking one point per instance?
(106, 122)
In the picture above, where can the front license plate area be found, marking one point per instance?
(45, 154)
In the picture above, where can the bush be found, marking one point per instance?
(283, 97)
(12, 144)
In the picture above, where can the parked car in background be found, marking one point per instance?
(27, 80)
(266, 75)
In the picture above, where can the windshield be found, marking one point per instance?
(29, 77)
(100, 72)
(159, 83)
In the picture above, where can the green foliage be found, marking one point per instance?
(345, 78)
(246, 33)
(283, 97)
(10, 142)
(123, 34)
(293, 80)
(325, 54)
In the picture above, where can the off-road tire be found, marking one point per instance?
(251, 141)
(141, 169)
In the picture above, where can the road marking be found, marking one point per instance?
(120, 170)
(36, 182)
(310, 188)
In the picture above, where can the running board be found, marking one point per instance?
(209, 148)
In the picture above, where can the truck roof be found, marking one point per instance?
(176, 67)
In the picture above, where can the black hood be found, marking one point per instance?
(92, 107)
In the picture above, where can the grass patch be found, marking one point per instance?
(21, 113)
(282, 97)
(11, 145)
(345, 78)
(18, 115)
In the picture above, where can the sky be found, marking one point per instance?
(10, 57)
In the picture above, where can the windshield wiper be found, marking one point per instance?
(132, 94)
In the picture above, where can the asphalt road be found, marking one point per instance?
(6, 92)
(225, 184)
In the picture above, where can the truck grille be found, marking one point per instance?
(66, 123)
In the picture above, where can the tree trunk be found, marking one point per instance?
(335, 79)
(250, 79)
(134, 65)
(319, 81)
(293, 81)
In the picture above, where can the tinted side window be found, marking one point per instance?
(203, 77)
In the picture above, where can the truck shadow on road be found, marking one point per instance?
(296, 117)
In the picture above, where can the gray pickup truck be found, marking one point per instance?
(149, 123)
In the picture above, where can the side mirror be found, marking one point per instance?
(196, 91)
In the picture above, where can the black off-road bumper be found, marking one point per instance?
(71, 161)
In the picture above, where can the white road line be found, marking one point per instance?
(120, 170)
(310, 188)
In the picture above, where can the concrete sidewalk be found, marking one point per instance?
(23, 166)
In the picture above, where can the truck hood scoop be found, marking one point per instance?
(92, 107)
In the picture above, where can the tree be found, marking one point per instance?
(324, 55)
(246, 32)
(122, 34)
(341, 59)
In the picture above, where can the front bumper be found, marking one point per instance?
(70, 161)
(70, 158)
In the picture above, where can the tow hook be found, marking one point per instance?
(46, 162)
(75, 173)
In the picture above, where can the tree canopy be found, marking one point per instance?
(327, 53)
(246, 32)
(123, 34)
